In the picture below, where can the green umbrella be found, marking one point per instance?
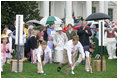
(50, 19)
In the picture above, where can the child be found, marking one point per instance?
(92, 48)
(70, 51)
(38, 35)
(41, 54)
(9, 33)
(28, 45)
(5, 48)
(4, 30)
(33, 43)
(50, 44)
(88, 67)
(40, 40)
(42, 32)
(88, 60)
(8, 55)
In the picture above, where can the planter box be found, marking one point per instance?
(14, 65)
(97, 65)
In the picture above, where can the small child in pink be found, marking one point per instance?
(5, 47)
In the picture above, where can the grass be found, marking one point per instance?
(30, 71)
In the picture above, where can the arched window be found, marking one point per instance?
(110, 13)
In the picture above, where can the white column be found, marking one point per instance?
(101, 6)
(46, 8)
(115, 13)
(69, 18)
(88, 8)
(106, 7)
(75, 8)
(40, 6)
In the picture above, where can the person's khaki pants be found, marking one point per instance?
(66, 61)
(40, 66)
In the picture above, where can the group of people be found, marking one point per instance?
(62, 45)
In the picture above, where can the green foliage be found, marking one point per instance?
(9, 9)
(97, 49)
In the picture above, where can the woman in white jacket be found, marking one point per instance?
(60, 39)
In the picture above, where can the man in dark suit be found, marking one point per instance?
(84, 33)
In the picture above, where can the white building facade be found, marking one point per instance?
(65, 9)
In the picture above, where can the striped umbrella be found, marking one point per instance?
(76, 27)
(50, 19)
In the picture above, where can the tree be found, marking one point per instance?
(9, 9)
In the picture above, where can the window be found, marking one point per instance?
(93, 9)
(110, 13)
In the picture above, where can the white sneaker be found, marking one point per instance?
(42, 72)
(73, 72)
(15, 71)
(87, 70)
(114, 57)
(110, 58)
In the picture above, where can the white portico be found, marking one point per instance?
(65, 9)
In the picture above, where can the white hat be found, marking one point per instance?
(4, 36)
(30, 27)
(8, 31)
(59, 28)
(23, 22)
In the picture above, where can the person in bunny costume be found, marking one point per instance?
(110, 36)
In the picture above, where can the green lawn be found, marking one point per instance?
(30, 71)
